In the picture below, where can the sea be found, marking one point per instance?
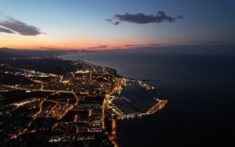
(198, 81)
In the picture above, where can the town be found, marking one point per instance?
(68, 102)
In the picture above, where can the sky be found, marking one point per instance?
(112, 24)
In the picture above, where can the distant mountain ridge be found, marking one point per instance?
(12, 53)
(4, 54)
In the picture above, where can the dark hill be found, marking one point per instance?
(5, 55)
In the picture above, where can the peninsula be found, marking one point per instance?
(50, 101)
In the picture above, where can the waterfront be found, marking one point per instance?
(68, 102)
(199, 88)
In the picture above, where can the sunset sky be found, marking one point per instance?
(111, 24)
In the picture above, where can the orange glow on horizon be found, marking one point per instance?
(43, 42)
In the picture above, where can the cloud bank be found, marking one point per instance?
(11, 25)
(141, 18)
(144, 45)
(99, 47)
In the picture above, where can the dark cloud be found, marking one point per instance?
(19, 27)
(116, 23)
(4, 30)
(141, 18)
(112, 21)
(131, 45)
(145, 45)
(157, 44)
(98, 47)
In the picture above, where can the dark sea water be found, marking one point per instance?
(200, 87)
